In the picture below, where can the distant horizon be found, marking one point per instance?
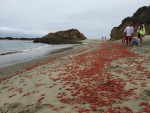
(17, 37)
(36, 36)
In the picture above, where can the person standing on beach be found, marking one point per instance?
(128, 33)
(141, 32)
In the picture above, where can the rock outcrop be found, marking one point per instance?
(142, 14)
(62, 37)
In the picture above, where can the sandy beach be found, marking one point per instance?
(94, 77)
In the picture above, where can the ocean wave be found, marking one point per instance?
(44, 46)
(12, 52)
(35, 48)
(25, 50)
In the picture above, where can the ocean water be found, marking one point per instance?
(14, 46)
(16, 51)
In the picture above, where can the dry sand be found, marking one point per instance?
(95, 77)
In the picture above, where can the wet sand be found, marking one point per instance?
(8, 71)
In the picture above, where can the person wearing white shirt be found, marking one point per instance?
(128, 32)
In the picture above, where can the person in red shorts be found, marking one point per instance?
(128, 32)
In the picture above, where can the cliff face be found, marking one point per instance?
(142, 14)
(62, 37)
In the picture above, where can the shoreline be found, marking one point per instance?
(20, 66)
(20, 57)
(94, 77)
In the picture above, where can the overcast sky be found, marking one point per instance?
(35, 18)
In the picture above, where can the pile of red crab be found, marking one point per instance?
(91, 88)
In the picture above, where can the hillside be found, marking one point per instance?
(142, 14)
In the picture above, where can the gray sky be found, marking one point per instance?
(35, 18)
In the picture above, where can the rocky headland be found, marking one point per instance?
(62, 37)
